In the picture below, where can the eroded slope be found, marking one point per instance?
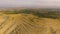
(28, 24)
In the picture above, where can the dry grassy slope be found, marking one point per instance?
(28, 24)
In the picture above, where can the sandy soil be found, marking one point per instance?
(28, 24)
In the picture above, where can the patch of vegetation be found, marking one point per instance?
(45, 13)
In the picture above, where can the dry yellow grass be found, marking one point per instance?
(28, 24)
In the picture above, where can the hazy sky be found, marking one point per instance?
(29, 3)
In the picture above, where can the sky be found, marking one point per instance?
(29, 3)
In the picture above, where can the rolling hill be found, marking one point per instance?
(29, 22)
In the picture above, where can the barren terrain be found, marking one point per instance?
(28, 24)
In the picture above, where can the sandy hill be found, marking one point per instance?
(28, 24)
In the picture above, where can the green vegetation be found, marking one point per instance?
(46, 13)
